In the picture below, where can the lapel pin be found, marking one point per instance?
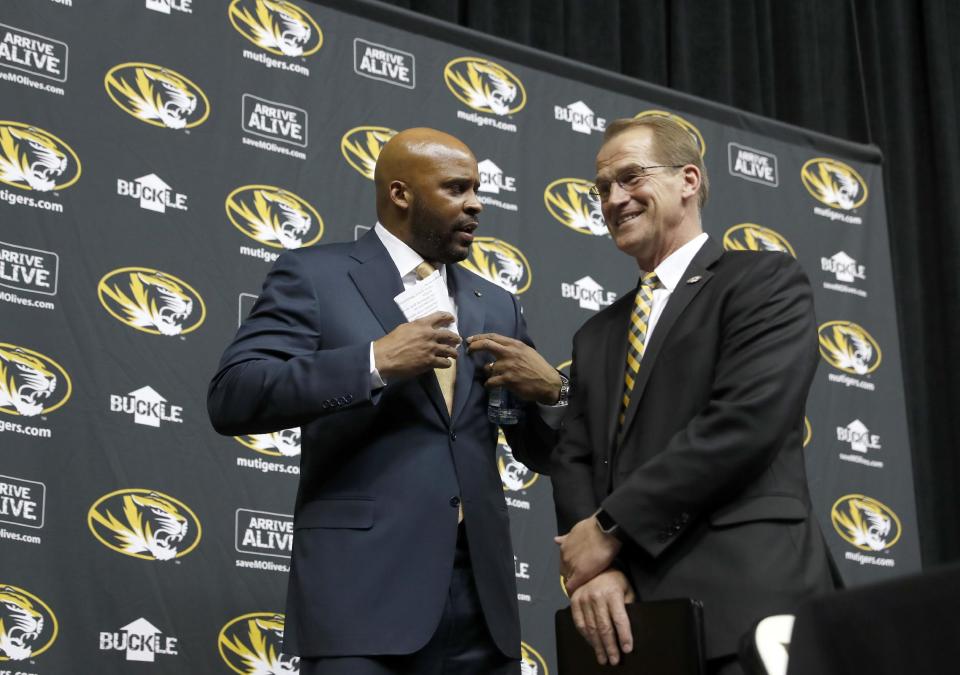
(477, 293)
(694, 279)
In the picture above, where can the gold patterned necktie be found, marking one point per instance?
(637, 335)
(445, 376)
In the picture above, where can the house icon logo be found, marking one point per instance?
(580, 117)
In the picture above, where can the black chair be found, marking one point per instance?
(906, 626)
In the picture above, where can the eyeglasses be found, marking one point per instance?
(629, 180)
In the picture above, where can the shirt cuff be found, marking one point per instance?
(376, 382)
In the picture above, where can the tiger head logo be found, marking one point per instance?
(283, 443)
(148, 525)
(250, 645)
(569, 200)
(33, 159)
(865, 523)
(157, 95)
(28, 381)
(691, 129)
(484, 85)
(361, 147)
(151, 301)
(834, 183)
(21, 624)
(514, 475)
(276, 26)
(273, 216)
(25, 382)
(848, 347)
(751, 237)
(500, 262)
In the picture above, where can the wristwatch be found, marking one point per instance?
(564, 398)
(607, 524)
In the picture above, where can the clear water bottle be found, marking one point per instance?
(503, 407)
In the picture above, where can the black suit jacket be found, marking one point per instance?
(375, 521)
(706, 477)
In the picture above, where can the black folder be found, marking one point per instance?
(667, 640)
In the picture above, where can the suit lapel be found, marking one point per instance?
(616, 363)
(694, 278)
(378, 281)
(470, 316)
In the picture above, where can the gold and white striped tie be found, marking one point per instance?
(637, 336)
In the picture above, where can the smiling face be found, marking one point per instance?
(659, 212)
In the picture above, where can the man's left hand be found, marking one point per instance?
(585, 552)
(600, 616)
(518, 367)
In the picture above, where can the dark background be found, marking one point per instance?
(885, 72)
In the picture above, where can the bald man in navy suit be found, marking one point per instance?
(402, 559)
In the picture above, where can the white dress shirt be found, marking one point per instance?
(669, 273)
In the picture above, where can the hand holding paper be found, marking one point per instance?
(426, 297)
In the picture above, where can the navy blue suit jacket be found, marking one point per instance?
(375, 521)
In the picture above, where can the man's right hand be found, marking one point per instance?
(600, 616)
(416, 347)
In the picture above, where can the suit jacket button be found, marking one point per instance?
(342, 401)
(455, 502)
(349, 397)
(324, 405)
(453, 436)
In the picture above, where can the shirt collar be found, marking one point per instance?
(404, 258)
(675, 264)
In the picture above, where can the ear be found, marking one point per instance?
(400, 194)
(691, 180)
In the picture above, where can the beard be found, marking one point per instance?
(434, 236)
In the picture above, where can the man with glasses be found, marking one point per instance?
(680, 471)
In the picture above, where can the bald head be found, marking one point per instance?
(410, 153)
(426, 182)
